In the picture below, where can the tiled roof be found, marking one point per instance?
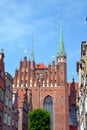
(40, 66)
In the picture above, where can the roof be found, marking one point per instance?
(61, 49)
(40, 66)
(7, 75)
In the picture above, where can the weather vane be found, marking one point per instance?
(25, 52)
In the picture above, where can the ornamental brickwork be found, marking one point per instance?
(45, 81)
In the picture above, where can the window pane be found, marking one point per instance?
(48, 105)
(73, 115)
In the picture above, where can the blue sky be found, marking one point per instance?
(20, 19)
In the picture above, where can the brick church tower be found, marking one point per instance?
(48, 86)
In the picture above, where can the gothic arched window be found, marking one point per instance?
(48, 105)
(73, 115)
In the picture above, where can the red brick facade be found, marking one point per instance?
(23, 108)
(43, 82)
(73, 93)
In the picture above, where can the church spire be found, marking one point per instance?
(32, 54)
(61, 49)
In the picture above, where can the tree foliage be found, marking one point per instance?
(39, 120)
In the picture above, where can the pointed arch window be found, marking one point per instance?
(73, 115)
(48, 105)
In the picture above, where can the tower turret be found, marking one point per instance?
(61, 50)
(61, 60)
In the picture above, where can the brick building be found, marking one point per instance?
(23, 107)
(15, 112)
(7, 115)
(48, 86)
(82, 97)
(73, 93)
(2, 87)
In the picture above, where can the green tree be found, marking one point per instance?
(39, 120)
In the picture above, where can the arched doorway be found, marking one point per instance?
(48, 105)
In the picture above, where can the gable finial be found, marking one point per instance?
(25, 52)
